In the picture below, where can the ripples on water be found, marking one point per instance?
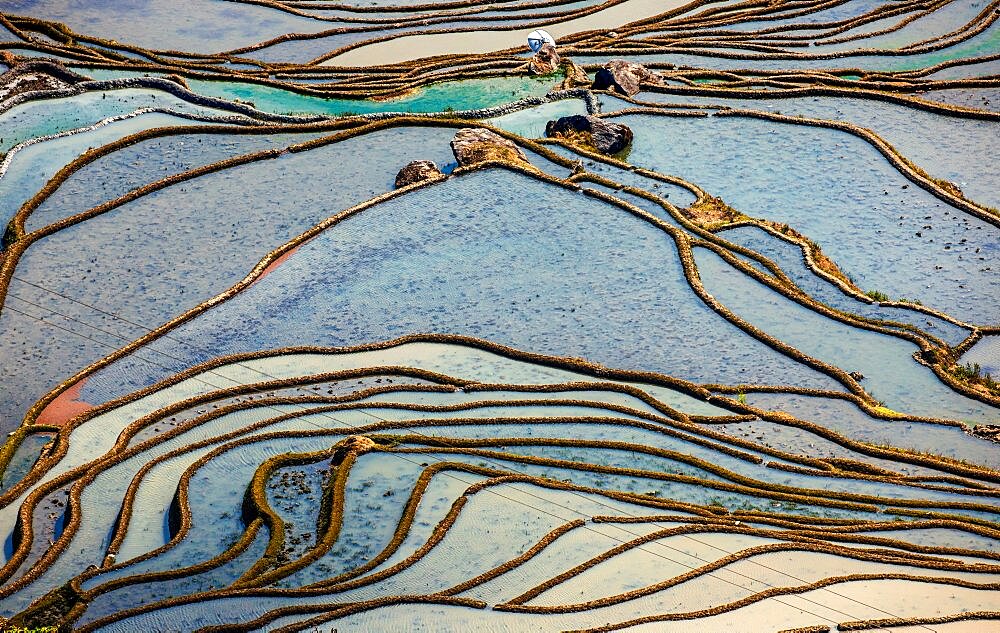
(249, 385)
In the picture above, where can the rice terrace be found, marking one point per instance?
(515, 315)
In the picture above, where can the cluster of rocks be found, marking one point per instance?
(471, 146)
(475, 145)
(547, 61)
(617, 75)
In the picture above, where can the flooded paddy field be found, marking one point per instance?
(367, 315)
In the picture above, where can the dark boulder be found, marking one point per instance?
(604, 136)
(417, 171)
(624, 77)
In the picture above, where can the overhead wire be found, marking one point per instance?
(427, 454)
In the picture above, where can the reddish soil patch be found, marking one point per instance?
(278, 262)
(65, 407)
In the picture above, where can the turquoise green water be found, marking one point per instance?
(457, 95)
(986, 43)
(507, 257)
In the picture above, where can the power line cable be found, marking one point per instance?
(366, 412)
(500, 466)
